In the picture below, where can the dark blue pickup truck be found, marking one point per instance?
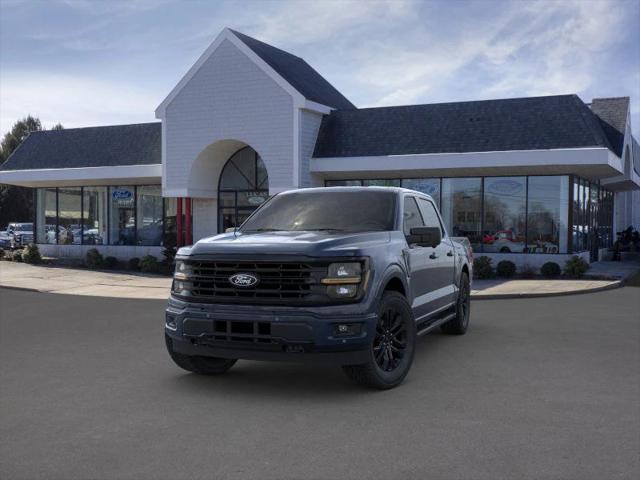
(348, 276)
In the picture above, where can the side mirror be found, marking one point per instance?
(425, 236)
(230, 229)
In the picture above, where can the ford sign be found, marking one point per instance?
(244, 280)
(121, 194)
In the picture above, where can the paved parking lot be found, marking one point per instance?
(538, 388)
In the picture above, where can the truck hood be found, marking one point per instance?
(311, 244)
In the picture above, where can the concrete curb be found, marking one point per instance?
(477, 296)
(24, 289)
(504, 296)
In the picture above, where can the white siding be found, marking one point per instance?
(205, 218)
(309, 127)
(229, 97)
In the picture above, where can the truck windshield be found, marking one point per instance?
(313, 210)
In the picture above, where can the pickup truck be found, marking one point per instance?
(16, 235)
(348, 276)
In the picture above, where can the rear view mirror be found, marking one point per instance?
(425, 236)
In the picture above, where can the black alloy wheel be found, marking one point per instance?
(392, 347)
(390, 342)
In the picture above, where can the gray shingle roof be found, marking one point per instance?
(612, 113)
(115, 145)
(532, 123)
(298, 73)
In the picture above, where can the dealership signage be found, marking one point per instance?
(123, 197)
(505, 187)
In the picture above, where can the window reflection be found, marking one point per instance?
(430, 186)
(69, 216)
(547, 214)
(149, 215)
(95, 216)
(46, 215)
(462, 208)
(122, 229)
(504, 214)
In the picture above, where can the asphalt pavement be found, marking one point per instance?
(538, 388)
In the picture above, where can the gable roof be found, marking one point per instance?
(115, 145)
(612, 113)
(292, 73)
(298, 73)
(533, 123)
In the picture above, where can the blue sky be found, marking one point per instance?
(83, 63)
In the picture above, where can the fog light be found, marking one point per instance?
(347, 329)
(342, 291)
(171, 322)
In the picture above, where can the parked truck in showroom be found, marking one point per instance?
(347, 276)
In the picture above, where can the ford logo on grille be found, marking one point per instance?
(243, 280)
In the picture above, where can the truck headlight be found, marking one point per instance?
(183, 270)
(343, 279)
(181, 288)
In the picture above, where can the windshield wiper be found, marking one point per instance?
(255, 230)
(326, 229)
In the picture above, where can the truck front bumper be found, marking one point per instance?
(325, 335)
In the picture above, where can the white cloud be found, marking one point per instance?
(73, 101)
(309, 21)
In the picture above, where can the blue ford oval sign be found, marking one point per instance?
(121, 194)
(243, 280)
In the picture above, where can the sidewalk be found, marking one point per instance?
(78, 281)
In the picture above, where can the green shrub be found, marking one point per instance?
(94, 258)
(576, 267)
(482, 267)
(16, 256)
(550, 270)
(1, 254)
(506, 269)
(149, 264)
(133, 263)
(31, 254)
(110, 262)
(528, 271)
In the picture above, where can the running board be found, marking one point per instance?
(437, 323)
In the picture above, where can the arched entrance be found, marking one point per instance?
(243, 187)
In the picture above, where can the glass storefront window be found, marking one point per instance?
(244, 186)
(462, 208)
(505, 204)
(46, 215)
(547, 215)
(170, 214)
(149, 215)
(122, 221)
(69, 216)
(343, 183)
(430, 186)
(94, 206)
(381, 183)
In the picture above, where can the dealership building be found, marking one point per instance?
(529, 179)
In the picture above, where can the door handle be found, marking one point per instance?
(433, 256)
(450, 253)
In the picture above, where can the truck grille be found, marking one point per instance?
(279, 282)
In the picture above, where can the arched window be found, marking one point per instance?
(244, 186)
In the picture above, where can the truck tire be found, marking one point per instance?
(199, 365)
(458, 325)
(392, 348)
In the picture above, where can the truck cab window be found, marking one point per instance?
(412, 217)
(429, 213)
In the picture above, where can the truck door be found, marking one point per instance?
(441, 259)
(421, 279)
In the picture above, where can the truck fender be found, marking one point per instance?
(393, 271)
